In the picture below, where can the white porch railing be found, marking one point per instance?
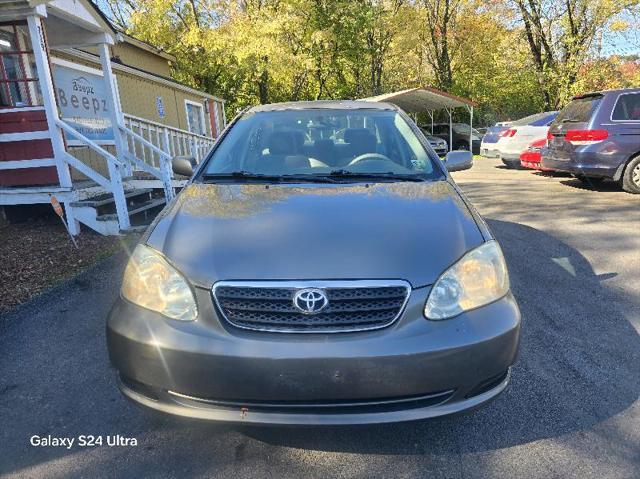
(163, 171)
(113, 184)
(170, 140)
(119, 166)
(148, 146)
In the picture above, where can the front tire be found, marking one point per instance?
(630, 181)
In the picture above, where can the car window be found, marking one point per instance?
(317, 141)
(579, 110)
(627, 107)
(464, 129)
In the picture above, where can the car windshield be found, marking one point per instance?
(579, 110)
(321, 143)
(464, 129)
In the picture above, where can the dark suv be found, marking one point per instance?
(462, 133)
(597, 136)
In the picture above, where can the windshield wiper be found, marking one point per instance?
(571, 120)
(247, 175)
(375, 176)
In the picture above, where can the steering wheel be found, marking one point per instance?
(368, 157)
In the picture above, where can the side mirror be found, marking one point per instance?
(183, 165)
(458, 160)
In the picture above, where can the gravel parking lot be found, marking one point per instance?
(572, 409)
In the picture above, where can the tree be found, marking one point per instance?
(560, 35)
(514, 57)
(441, 17)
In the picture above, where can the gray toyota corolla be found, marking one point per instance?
(320, 267)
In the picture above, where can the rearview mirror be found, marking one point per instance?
(458, 160)
(183, 165)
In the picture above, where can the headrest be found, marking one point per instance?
(285, 142)
(324, 144)
(358, 135)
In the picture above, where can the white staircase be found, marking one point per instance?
(99, 212)
(123, 200)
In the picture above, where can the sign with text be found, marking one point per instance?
(82, 98)
(160, 106)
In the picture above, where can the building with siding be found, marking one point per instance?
(87, 111)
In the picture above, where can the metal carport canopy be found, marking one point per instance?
(416, 100)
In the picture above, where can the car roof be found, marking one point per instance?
(324, 105)
(536, 117)
(604, 92)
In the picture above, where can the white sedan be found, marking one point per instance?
(521, 134)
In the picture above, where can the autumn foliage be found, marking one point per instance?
(513, 57)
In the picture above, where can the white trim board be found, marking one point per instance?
(35, 195)
(19, 164)
(21, 109)
(76, 66)
(25, 136)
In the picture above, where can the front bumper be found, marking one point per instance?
(489, 150)
(410, 370)
(441, 151)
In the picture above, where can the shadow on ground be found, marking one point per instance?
(608, 186)
(573, 370)
(578, 366)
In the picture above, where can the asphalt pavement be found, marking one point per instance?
(571, 411)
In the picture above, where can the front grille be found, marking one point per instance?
(352, 305)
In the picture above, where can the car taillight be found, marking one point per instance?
(585, 137)
(538, 145)
(549, 136)
(508, 133)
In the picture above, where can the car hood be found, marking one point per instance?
(410, 231)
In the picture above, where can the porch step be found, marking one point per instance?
(99, 211)
(147, 207)
(30, 195)
(107, 198)
(104, 203)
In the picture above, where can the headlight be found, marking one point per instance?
(149, 281)
(478, 278)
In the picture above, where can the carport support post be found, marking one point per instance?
(470, 108)
(450, 130)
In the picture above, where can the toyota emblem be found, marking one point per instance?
(310, 301)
